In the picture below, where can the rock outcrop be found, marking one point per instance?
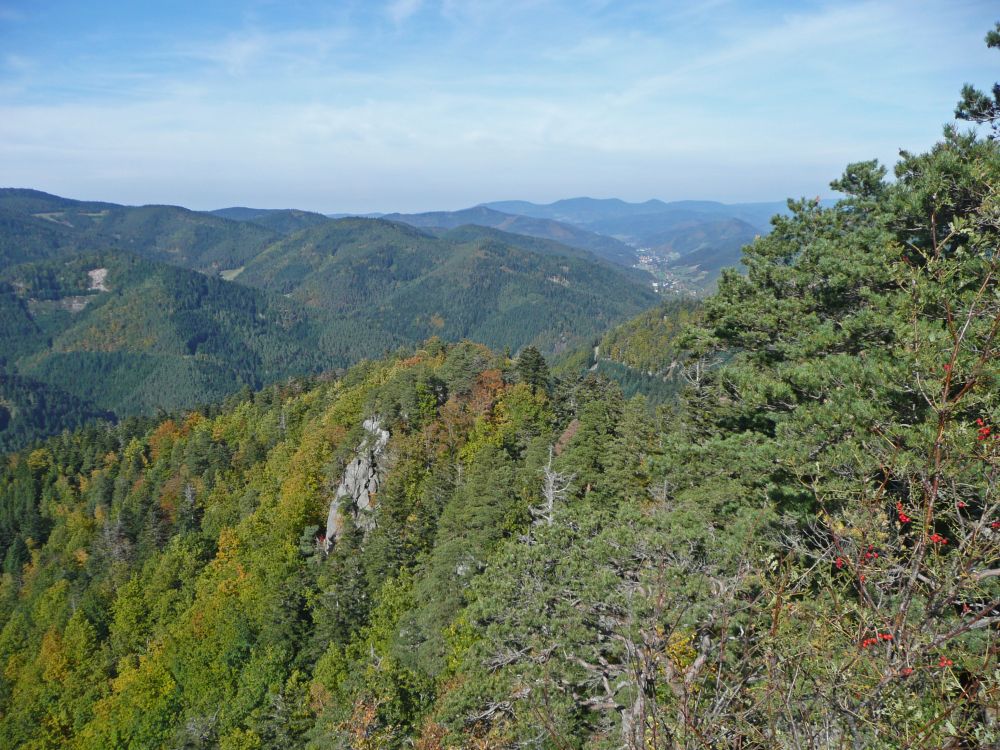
(360, 483)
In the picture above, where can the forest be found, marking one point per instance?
(161, 337)
(454, 547)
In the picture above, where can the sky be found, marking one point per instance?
(411, 105)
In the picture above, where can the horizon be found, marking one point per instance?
(380, 214)
(414, 105)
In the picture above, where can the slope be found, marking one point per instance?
(642, 355)
(52, 226)
(131, 336)
(31, 409)
(418, 285)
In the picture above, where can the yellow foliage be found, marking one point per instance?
(52, 657)
(680, 650)
(229, 544)
(241, 739)
(39, 459)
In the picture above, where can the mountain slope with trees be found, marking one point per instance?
(485, 288)
(168, 234)
(151, 336)
(154, 336)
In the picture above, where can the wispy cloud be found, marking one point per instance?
(399, 11)
(411, 105)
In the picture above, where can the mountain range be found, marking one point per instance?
(613, 214)
(116, 310)
(601, 245)
(109, 310)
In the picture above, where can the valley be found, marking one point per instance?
(137, 309)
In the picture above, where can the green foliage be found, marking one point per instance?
(491, 290)
(977, 106)
(533, 369)
(30, 409)
(642, 355)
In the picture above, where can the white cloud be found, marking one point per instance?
(399, 11)
(343, 116)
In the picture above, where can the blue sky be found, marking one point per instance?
(436, 104)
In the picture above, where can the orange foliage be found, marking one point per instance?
(229, 545)
(192, 421)
(170, 495)
(162, 437)
(431, 736)
(488, 387)
(447, 433)
(416, 359)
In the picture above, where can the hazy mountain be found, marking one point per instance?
(602, 246)
(475, 232)
(579, 210)
(710, 260)
(724, 237)
(280, 220)
(639, 224)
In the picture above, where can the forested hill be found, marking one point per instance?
(35, 225)
(801, 552)
(493, 289)
(281, 220)
(90, 323)
(128, 336)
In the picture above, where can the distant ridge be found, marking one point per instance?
(547, 228)
(614, 216)
(170, 234)
(281, 220)
(577, 210)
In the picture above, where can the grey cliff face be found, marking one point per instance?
(361, 481)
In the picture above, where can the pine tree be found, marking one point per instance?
(533, 369)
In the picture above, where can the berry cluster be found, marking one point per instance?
(875, 639)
